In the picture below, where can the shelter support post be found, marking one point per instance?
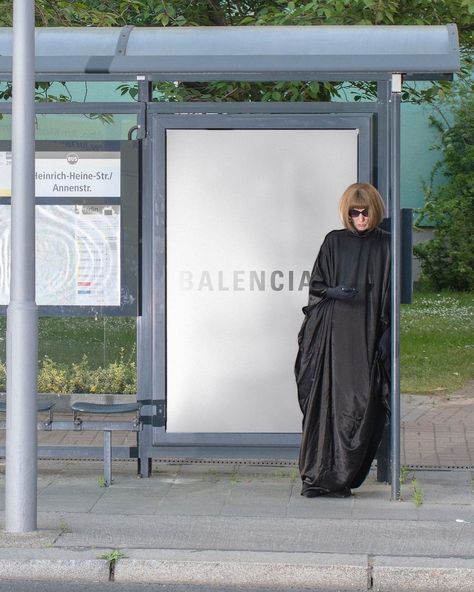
(144, 321)
(382, 180)
(108, 458)
(395, 100)
(22, 321)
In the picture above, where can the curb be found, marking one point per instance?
(270, 575)
(51, 570)
(245, 569)
(422, 574)
(329, 572)
(413, 579)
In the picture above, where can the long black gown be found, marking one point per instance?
(341, 374)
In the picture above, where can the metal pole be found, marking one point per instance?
(107, 458)
(383, 185)
(145, 347)
(396, 280)
(22, 323)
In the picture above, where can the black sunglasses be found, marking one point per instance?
(356, 213)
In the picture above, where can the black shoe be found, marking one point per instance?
(346, 492)
(312, 492)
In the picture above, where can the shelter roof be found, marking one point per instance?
(250, 53)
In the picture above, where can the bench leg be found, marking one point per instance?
(144, 466)
(107, 458)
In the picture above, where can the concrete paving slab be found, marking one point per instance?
(49, 553)
(269, 490)
(257, 498)
(195, 498)
(447, 493)
(69, 497)
(311, 508)
(42, 484)
(209, 555)
(407, 510)
(383, 510)
(443, 513)
(379, 492)
(422, 539)
(119, 501)
(454, 488)
(210, 507)
(28, 540)
(273, 534)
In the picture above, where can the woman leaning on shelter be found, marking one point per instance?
(343, 363)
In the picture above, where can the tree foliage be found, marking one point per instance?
(177, 13)
(448, 259)
(103, 13)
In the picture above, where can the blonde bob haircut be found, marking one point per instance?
(360, 196)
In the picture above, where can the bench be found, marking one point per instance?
(107, 427)
(41, 406)
(78, 424)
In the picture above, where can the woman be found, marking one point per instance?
(342, 368)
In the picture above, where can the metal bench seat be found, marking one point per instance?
(107, 427)
(104, 408)
(79, 424)
(40, 406)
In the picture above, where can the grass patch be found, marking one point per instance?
(65, 340)
(114, 555)
(418, 494)
(437, 343)
(98, 354)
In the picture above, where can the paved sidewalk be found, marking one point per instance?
(438, 431)
(243, 525)
(247, 524)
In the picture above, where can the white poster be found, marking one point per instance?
(69, 174)
(77, 255)
(247, 211)
(5, 174)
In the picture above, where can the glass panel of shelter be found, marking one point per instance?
(89, 348)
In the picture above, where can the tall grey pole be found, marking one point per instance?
(396, 280)
(22, 318)
(384, 90)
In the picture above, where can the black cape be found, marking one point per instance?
(341, 372)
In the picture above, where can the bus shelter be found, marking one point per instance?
(214, 212)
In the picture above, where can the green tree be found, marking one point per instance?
(250, 12)
(448, 259)
(174, 13)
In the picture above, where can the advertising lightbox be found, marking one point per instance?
(246, 213)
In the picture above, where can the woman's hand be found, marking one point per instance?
(341, 293)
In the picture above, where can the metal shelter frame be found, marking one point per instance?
(251, 54)
(241, 53)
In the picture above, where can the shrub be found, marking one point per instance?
(117, 377)
(53, 377)
(3, 377)
(447, 261)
